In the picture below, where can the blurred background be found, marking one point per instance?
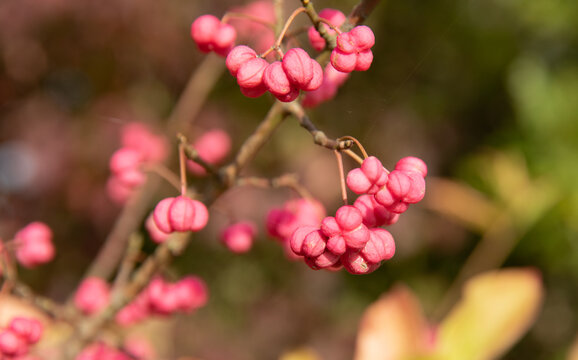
(484, 91)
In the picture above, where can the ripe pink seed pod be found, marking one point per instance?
(356, 264)
(362, 36)
(213, 146)
(317, 78)
(292, 95)
(417, 190)
(342, 61)
(374, 214)
(330, 227)
(374, 170)
(224, 39)
(357, 238)
(92, 295)
(203, 30)
(322, 261)
(336, 244)
(34, 244)
(348, 217)
(131, 177)
(298, 237)
(380, 246)
(276, 80)
(411, 163)
(11, 344)
(398, 207)
(161, 215)
(335, 17)
(181, 213)
(138, 136)
(398, 184)
(363, 60)
(155, 233)
(313, 244)
(250, 74)
(384, 197)
(358, 182)
(345, 43)
(28, 329)
(191, 292)
(238, 56)
(253, 92)
(125, 159)
(298, 67)
(201, 217)
(239, 237)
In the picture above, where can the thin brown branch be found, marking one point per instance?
(360, 13)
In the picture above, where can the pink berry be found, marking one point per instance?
(254, 92)
(342, 61)
(161, 215)
(139, 137)
(346, 44)
(335, 17)
(380, 246)
(156, 234)
(357, 238)
(411, 163)
(28, 329)
(355, 264)
(92, 295)
(313, 244)
(290, 96)
(191, 292)
(298, 67)
(213, 146)
(201, 216)
(330, 227)
(276, 80)
(417, 190)
(224, 39)
(364, 60)
(203, 30)
(34, 244)
(325, 260)
(11, 344)
(317, 78)
(358, 182)
(298, 238)
(238, 56)
(348, 217)
(239, 237)
(336, 244)
(250, 74)
(374, 214)
(362, 37)
(125, 159)
(118, 191)
(398, 184)
(181, 213)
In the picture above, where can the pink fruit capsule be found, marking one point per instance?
(92, 295)
(276, 80)
(161, 215)
(363, 60)
(203, 30)
(317, 78)
(239, 237)
(238, 56)
(348, 217)
(411, 163)
(380, 246)
(181, 213)
(298, 67)
(362, 37)
(342, 61)
(250, 74)
(313, 244)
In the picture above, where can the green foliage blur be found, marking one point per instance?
(486, 92)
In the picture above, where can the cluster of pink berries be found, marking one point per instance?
(139, 146)
(394, 190)
(131, 351)
(255, 75)
(353, 239)
(180, 214)
(18, 336)
(163, 298)
(239, 237)
(212, 146)
(92, 295)
(282, 222)
(34, 244)
(353, 51)
(210, 34)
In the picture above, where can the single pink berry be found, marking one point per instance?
(358, 182)
(239, 237)
(213, 146)
(92, 295)
(380, 246)
(156, 234)
(417, 189)
(342, 61)
(411, 163)
(224, 39)
(11, 344)
(323, 261)
(364, 60)
(161, 215)
(181, 213)
(337, 245)
(276, 80)
(201, 216)
(298, 238)
(34, 244)
(191, 292)
(330, 227)
(28, 329)
(289, 97)
(118, 191)
(374, 214)
(348, 217)
(362, 37)
(398, 184)
(313, 244)
(139, 137)
(346, 43)
(125, 159)
(298, 67)
(250, 73)
(317, 78)
(203, 30)
(253, 92)
(357, 238)
(238, 56)
(356, 264)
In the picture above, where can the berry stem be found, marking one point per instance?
(286, 27)
(361, 148)
(183, 168)
(341, 176)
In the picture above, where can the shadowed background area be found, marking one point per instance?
(483, 91)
